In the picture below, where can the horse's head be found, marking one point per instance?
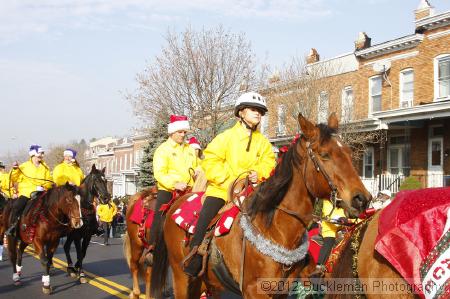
(328, 166)
(96, 185)
(69, 204)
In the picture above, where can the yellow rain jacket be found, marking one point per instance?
(106, 212)
(226, 158)
(67, 172)
(5, 185)
(29, 177)
(171, 164)
(330, 229)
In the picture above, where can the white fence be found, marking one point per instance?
(393, 182)
(384, 181)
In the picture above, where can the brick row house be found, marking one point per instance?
(400, 88)
(121, 158)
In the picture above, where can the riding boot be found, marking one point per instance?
(210, 209)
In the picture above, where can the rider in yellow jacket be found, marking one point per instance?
(332, 217)
(31, 178)
(174, 166)
(5, 186)
(68, 170)
(240, 150)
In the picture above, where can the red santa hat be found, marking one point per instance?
(178, 123)
(193, 142)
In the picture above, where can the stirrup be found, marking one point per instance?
(200, 251)
(188, 258)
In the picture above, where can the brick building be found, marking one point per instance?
(401, 87)
(120, 157)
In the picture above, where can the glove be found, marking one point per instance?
(40, 188)
(181, 186)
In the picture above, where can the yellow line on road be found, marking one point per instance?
(121, 292)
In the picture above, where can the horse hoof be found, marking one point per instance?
(83, 280)
(134, 296)
(73, 275)
(47, 290)
(17, 283)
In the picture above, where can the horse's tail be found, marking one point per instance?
(160, 268)
(127, 249)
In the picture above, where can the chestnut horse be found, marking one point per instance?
(133, 245)
(52, 215)
(267, 242)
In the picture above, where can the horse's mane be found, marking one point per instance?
(271, 192)
(53, 194)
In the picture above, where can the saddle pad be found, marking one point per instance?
(186, 216)
(410, 228)
(314, 246)
(137, 216)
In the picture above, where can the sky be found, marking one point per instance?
(65, 65)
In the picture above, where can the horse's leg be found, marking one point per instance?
(46, 259)
(20, 250)
(148, 274)
(12, 251)
(67, 245)
(84, 247)
(135, 249)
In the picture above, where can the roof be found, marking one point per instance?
(402, 43)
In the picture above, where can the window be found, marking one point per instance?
(442, 77)
(347, 104)
(374, 94)
(281, 126)
(265, 124)
(406, 88)
(399, 155)
(322, 113)
(368, 163)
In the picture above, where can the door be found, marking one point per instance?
(435, 162)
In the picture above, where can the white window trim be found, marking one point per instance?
(402, 75)
(370, 148)
(370, 93)
(400, 161)
(281, 124)
(319, 102)
(436, 77)
(343, 98)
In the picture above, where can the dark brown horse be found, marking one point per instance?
(49, 217)
(92, 189)
(133, 245)
(267, 242)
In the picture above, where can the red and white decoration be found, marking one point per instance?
(178, 123)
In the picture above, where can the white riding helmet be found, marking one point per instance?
(250, 99)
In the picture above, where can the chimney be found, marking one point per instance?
(362, 42)
(424, 10)
(313, 56)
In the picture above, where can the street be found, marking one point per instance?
(105, 267)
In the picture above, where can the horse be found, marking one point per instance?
(361, 262)
(133, 245)
(52, 215)
(259, 249)
(92, 188)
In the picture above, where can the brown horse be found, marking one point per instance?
(49, 217)
(267, 242)
(133, 245)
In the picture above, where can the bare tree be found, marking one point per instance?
(199, 74)
(316, 90)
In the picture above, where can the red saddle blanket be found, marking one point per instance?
(186, 216)
(138, 214)
(411, 235)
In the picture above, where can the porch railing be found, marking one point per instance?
(393, 182)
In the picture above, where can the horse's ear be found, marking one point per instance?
(93, 167)
(103, 170)
(333, 121)
(308, 128)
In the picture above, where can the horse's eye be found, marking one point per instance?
(325, 156)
